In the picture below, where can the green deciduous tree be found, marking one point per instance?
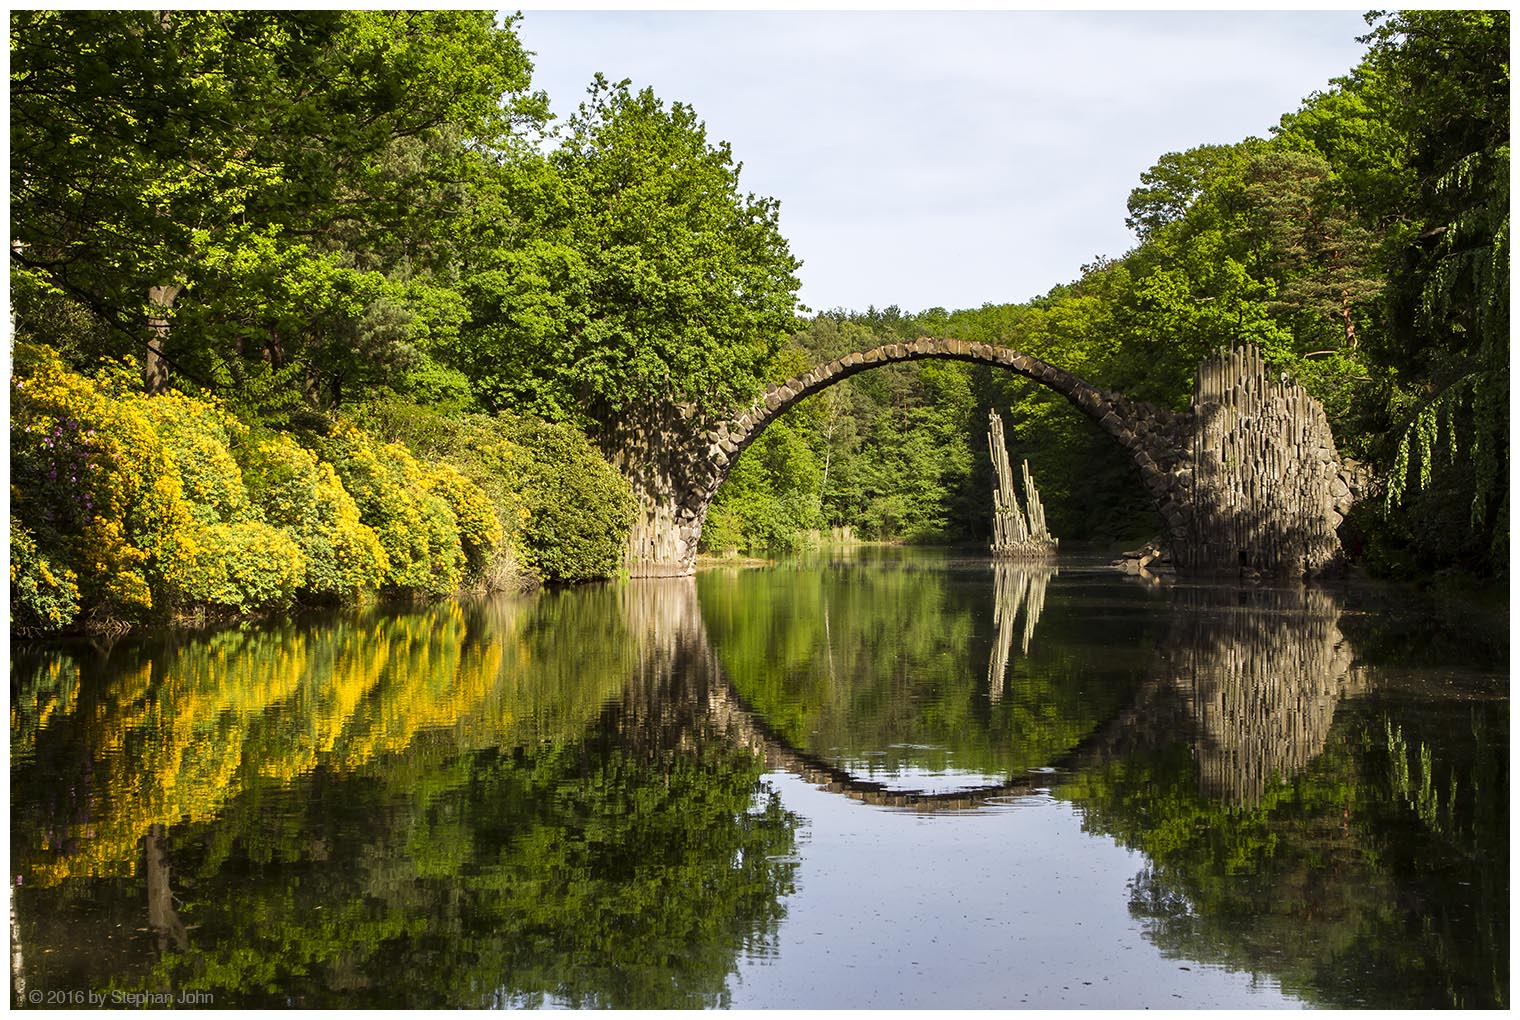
(233, 193)
(655, 276)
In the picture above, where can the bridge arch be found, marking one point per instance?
(1247, 477)
(665, 538)
(1127, 421)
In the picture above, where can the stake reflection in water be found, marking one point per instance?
(1015, 586)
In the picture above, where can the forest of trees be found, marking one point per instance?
(314, 305)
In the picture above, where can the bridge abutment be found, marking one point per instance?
(673, 482)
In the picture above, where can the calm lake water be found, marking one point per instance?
(883, 779)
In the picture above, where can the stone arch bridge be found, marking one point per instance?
(1247, 478)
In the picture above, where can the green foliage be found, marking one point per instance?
(1169, 187)
(284, 181)
(579, 509)
(42, 598)
(650, 274)
(302, 496)
(1446, 76)
(563, 511)
(770, 499)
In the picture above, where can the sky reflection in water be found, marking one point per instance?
(914, 782)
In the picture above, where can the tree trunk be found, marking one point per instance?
(155, 369)
(1346, 314)
(163, 919)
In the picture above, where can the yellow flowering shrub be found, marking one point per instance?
(199, 437)
(94, 485)
(417, 529)
(244, 567)
(43, 597)
(303, 497)
(474, 514)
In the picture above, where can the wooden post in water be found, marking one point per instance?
(1017, 533)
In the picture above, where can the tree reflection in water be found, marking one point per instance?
(1282, 830)
(509, 803)
(560, 800)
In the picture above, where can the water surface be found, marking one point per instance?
(904, 779)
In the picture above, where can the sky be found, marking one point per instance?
(951, 159)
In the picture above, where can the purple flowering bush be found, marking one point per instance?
(94, 487)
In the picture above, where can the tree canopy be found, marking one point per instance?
(307, 214)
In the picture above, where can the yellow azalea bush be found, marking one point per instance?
(417, 529)
(474, 514)
(302, 496)
(245, 567)
(43, 597)
(126, 506)
(199, 437)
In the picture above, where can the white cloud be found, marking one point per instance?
(1004, 142)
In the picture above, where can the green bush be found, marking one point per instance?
(244, 567)
(42, 598)
(724, 531)
(769, 501)
(303, 497)
(578, 509)
(564, 511)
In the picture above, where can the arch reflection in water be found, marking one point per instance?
(876, 682)
(1248, 680)
(561, 800)
(1016, 586)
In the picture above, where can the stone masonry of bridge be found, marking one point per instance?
(1248, 478)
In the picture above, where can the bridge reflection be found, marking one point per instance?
(487, 785)
(1249, 678)
(1260, 673)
